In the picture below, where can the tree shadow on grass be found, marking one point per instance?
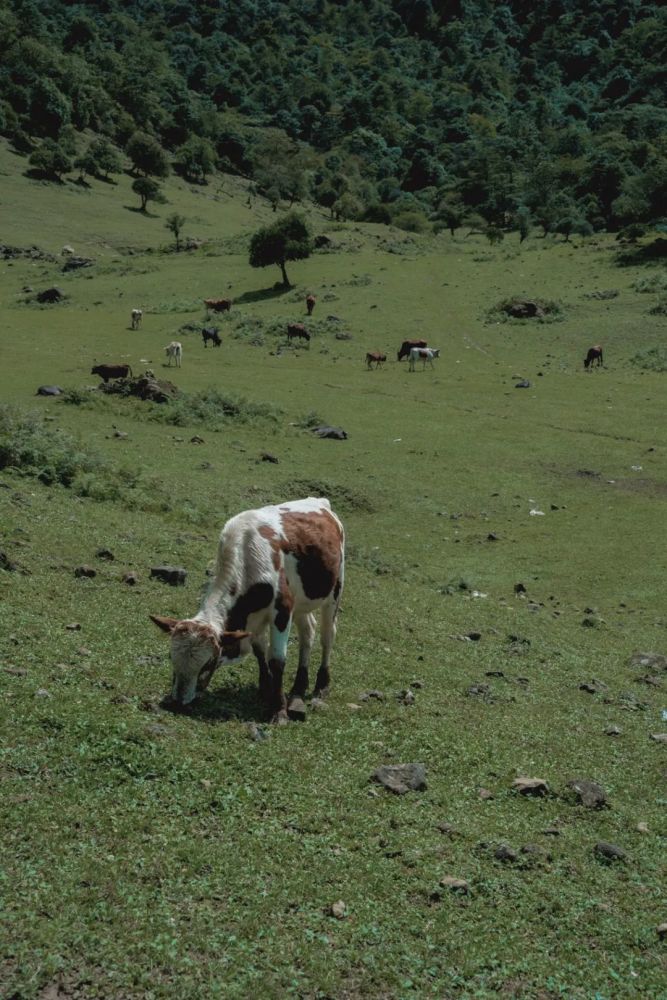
(141, 211)
(264, 293)
(229, 701)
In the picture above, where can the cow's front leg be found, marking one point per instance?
(280, 630)
(296, 707)
(259, 648)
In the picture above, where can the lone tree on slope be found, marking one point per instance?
(287, 239)
(174, 224)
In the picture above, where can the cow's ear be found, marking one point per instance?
(228, 638)
(163, 622)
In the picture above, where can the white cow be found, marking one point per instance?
(136, 318)
(276, 564)
(174, 350)
(423, 353)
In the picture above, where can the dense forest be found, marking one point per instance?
(418, 112)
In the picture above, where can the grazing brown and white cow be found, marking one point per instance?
(375, 356)
(310, 304)
(406, 347)
(174, 351)
(218, 305)
(297, 330)
(111, 371)
(275, 565)
(425, 354)
(211, 333)
(594, 354)
(136, 317)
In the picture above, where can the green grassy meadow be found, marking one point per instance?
(158, 856)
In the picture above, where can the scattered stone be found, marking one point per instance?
(338, 910)
(266, 456)
(589, 793)
(609, 852)
(593, 686)
(206, 783)
(447, 829)
(642, 828)
(8, 564)
(606, 293)
(530, 786)
(15, 671)
(485, 794)
(335, 433)
(506, 853)
(661, 931)
(455, 884)
(87, 571)
(145, 387)
(157, 729)
(406, 697)
(257, 733)
(524, 384)
(74, 263)
(654, 661)
(105, 554)
(494, 673)
(318, 705)
(478, 691)
(659, 737)
(372, 695)
(551, 831)
(50, 295)
(492, 537)
(519, 588)
(612, 731)
(589, 622)
(353, 707)
(196, 439)
(401, 778)
(49, 390)
(474, 636)
(73, 627)
(175, 576)
(131, 578)
(417, 684)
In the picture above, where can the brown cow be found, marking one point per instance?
(375, 356)
(297, 330)
(218, 305)
(404, 351)
(111, 371)
(594, 354)
(310, 304)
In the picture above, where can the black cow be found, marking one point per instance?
(297, 330)
(211, 333)
(407, 345)
(111, 371)
(594, 354)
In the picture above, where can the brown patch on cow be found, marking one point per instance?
(199, 631)
(284, 603)
(314, 539)
(164, 622)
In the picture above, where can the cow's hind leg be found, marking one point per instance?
(260, 649)
(328, 634)
(295, 703)
(280, 630)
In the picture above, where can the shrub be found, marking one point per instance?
(652, 359)
(214, 409)
(412, 222)
(49, 455)
(656, 282)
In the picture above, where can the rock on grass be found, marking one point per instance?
(531, 786)
(609, 852)
(589, 793)
(401, 778)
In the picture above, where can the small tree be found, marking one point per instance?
(287, 239)
(523, 222)
(196, 159)
(494, 235)
(106, 156)
(174, 224)
(147, 155)
(86, 164)
(50, 159)
(148, 190)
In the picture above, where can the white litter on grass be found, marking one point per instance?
(477, 593)
(636, 468)
(536, 513)
(397, 439)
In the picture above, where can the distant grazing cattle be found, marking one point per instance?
(310, 304)
(111, 371)
(218, 305)
(407, 345)
(174, 351)
(274, 565)
(425, 354)
(211, 333)
(297, 330)
(136, 318)
(375, 356)
(594, 354)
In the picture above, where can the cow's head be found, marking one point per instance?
(197, 650)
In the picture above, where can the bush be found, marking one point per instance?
(412, 222)
(656, 282)
(213, 409)
(51, 456)
(660, 308)
(651, 359)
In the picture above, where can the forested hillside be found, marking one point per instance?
(438, 112)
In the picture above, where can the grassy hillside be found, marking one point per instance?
(152, 855)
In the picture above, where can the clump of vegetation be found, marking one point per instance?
(660, 308)
(310, 420)
(28, 448)
(542, 310)
(652, 359)
(80, 397)
(656, 282)
(213, 408)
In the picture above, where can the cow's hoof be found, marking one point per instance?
(280, 718)
(296, 710)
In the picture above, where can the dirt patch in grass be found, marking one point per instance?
(342, 498)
